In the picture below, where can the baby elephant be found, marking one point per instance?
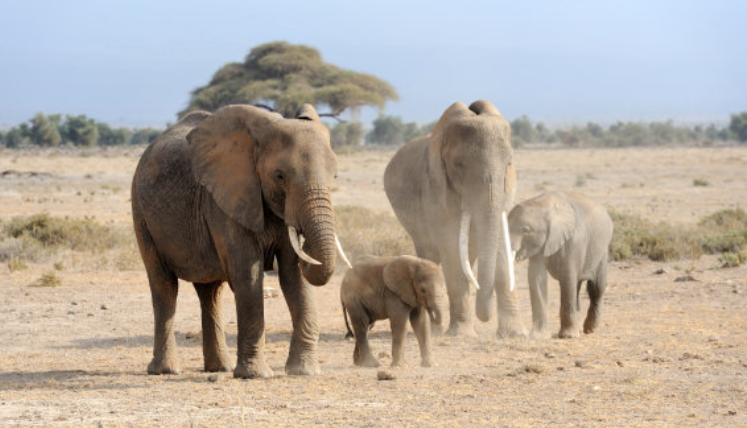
(568, 235)
(397, 288)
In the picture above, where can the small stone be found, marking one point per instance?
(104, 307)
(661, 271)
(74, 303)
(384, 355)
(732, 412)
(271, 292)
(596, 388)
(580, 364)
(713, 339)
(89, 314)
(620, 364)
(193, 335)
(384, 375)
(549, 355)
(71, 312)
(213, 378)
(686, 278)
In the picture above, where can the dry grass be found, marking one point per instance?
(363, 231)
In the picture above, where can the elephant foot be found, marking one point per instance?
(367, 362)
(540, 334)
(396, 364)
(436, 330)
(304, 367)
(252, 370)
(160, 366)
(510, 327)
(428, 362)
(568, 333)
(590, 324)
(461, 330)
(221, 364)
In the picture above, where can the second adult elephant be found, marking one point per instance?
(450, 189)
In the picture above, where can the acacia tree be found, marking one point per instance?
(283, 76)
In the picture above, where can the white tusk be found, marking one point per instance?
(293, 234)
(464, 250)
(342, 253)
(509, 253)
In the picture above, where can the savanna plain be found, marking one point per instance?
(76, 322)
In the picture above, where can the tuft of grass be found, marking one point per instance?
(366, 232)
(724, 231)
(17, 264)
(58, 266)
(346, 150)
(49, 279)
(534, 368)
(699, 182)
(75, 234)
(580, 180)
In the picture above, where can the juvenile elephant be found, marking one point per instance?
(397, 288)
(449, 189)
(568, 235)
(218, 197)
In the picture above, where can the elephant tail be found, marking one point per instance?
(349, 334)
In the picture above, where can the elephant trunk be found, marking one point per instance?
(318, 226)
(488, 228)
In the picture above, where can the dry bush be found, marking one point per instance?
(49, 279)
(366, 232)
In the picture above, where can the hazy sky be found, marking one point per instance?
(134, 63)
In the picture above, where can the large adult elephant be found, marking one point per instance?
(450, 189)
(217, 197)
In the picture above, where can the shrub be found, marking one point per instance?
(75, 234)
(636, 237)
(729, 259)
(699, 182)
(17, 264)
(49, 279)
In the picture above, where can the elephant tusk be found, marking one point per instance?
(509, 253)
(464, 250)
(293, 234)
(342, 253)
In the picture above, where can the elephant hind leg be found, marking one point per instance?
(164, 288)
(214, 349)
(359, 318)
(596, 292)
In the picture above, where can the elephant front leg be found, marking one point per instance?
(362, 355)
(509, 321)
(421, 326)
(398, 324)
(569, 325)
(250, 362)
(537, 274)
(302, 356)
(461, 322)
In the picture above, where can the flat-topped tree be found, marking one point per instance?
(282, 76)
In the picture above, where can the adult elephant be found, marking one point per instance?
(450, 189)
(217, 197)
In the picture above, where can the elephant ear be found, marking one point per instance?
(307, 112)
(223, 154)
(561, 224)
(399, 277)
(437, 178)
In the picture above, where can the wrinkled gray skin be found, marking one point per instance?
(568, 235)
(464, 165)
(211, 201)
(397, 288)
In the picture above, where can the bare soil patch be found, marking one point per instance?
(667, 353)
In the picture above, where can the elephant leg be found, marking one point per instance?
(461, 322)
(250, 313)
(362, 355)
(214, 349)
(596, 292)
(421, 326)
(509, 321)
(569, 327)
(164, 288)
(537, 275)
(302, 356)
(398, 324)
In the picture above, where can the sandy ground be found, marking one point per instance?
(667, 353)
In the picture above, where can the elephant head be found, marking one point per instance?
(471, 167)
(256, 164)
(419, 283)
(541, 225)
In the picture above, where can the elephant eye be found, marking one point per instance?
(279, 177)
(422, 289)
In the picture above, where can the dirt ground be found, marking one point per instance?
(667, 353)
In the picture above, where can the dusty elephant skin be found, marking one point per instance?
(454, 184)
(568, 235)
(398, 289)
(216, 198)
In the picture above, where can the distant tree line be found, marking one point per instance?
(625, 134)
(79, 131)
